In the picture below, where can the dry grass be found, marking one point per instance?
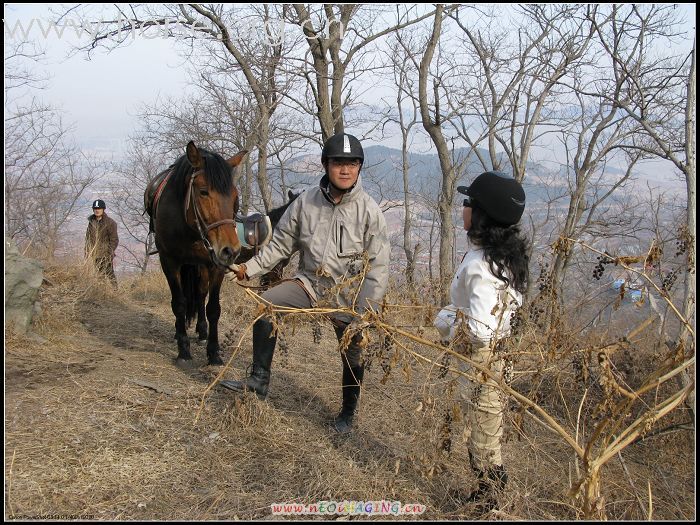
(100, 423)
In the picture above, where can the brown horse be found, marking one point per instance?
(192, 206)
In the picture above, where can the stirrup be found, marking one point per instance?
(152, 234)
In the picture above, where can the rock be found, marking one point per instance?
(23, 277)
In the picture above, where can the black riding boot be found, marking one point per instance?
(492, 481)
(263, 350)
(352, 381)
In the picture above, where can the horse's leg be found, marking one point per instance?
(213, 312)
(202, 290)
(179, 305)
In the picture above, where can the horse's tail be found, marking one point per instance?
(189, 277)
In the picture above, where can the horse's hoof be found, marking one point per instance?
(216, 361)
(184, 363)
(202, 341)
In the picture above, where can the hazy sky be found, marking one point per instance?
(101, 96)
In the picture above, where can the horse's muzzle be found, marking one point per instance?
(227, 255)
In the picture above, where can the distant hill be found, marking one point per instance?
(383, 179)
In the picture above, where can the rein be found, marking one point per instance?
(251, 287)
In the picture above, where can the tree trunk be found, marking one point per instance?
(446, 167)
(593, 506)
(690, 281)
(410, 252)
(247, 186)
(263, 181)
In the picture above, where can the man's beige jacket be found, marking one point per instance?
(332, 239)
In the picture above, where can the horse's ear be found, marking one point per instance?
(194, 156)
(291, 195)
(235, 161)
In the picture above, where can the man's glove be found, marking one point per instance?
(239, 271)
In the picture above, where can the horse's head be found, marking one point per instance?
(212, 202)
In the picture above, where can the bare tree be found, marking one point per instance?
(338, 36)
(45, 173)
(226, 41)
(217, 114)
(286, 144)
(508, 88)
(658, 93)
(214, 117)
(406, 119)
(599, 133)
(259, 62)
(433, 125)
(132, 176)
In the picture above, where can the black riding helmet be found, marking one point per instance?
(499, 195)
(342, 146)
(98, 203)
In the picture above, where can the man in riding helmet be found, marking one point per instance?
(334, 226)
(101, 240)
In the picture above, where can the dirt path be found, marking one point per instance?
(100, 423)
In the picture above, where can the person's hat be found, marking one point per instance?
(343, 146)
(98, 203)
(499, 195)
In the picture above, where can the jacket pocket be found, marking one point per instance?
(348, 241)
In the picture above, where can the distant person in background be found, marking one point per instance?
(487, 289)
(101, 240)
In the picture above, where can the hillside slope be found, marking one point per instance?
(99, 423)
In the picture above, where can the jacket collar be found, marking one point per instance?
(347, 197)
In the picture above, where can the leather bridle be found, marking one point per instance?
(202, 227)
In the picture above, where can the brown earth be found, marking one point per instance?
(100, 423)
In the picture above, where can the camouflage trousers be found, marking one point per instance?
(483, 403)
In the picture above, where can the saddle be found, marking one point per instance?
(154, 189)
(254, 230)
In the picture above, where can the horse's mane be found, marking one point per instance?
(216, 169)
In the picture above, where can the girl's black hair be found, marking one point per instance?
(505, 248)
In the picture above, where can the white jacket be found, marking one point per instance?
(486, 303)
(332, 238)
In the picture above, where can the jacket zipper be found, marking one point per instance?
(341, 238)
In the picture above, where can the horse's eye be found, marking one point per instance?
(203, 193)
